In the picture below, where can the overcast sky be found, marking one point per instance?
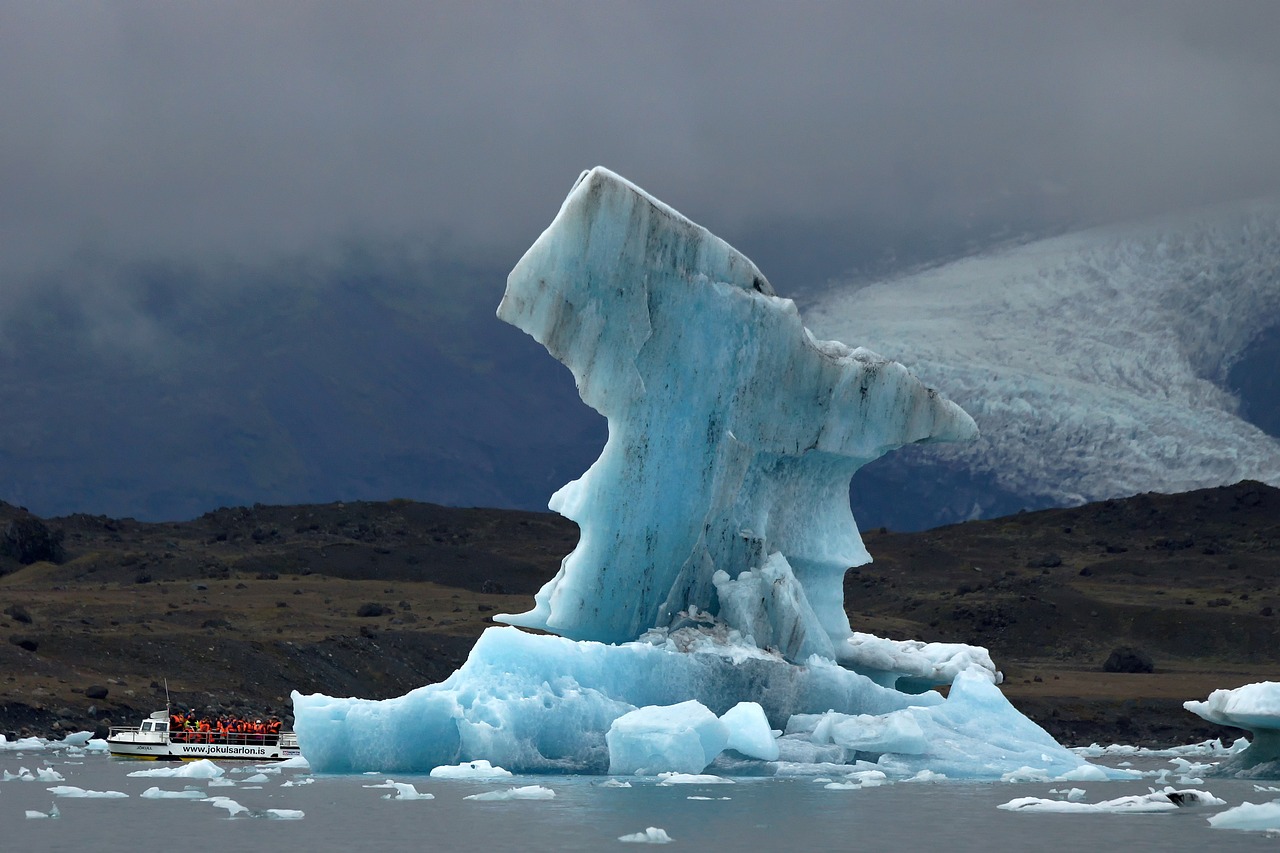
(195, 129)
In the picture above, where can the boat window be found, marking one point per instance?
(146, 727)
(162, 727)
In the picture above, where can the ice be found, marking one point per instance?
(78, 738)
(97, 745)
(715, 535)
(233, 808)
(1073, 795)
(82, 793)
(1255, 708)
(749, 731)
(1249, 816)
(222, 782)
(403, 791)
(673, 778)
(48, 774)
(296, 762)
(284, 814)
(24, 744)
(1208, 747)
(859, 780)
(201, 769)
(293, 782)
(651, 835)
(256, 778)
(478, 769)
(154, 793)
(683, 738)
(527, 792)
(615, 783)
(1157, 801)
(52, 813)
(23, 775)
(708, 799)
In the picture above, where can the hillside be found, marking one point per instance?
(240, 606)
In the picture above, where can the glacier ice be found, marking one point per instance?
(1256, 709)
(1255, 817)
(1169, 799)
(715, 535)
(651, 835)
(1096, 362)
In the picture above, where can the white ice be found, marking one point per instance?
(403, 791)
(82, 793)
(682, 738)
(715, 535)
(478, 769)
(78, 738)
(673, 778)
(526, 792)
(1249, 816)
(233, 808)
(37, 815)
(749, 731)
(154, 793)
(651, 835)
(201, 769)
(23, 775)
(1255, 708)
(256, 779)
(48, 774)
(1157, 801)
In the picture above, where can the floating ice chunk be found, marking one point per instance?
(692, 779)
(927, 776)
(233, 808)
(201, 769)
(284, 814)
(24, 744)
(1249, 816)
(268, 769)
(1270, 789)
(83, 793)
(96, 744)
(478, 769)
(295, 782)
(23, 775)
(403, 791)
(614, 783)
(1091, 773)
(155, 793)
(859, 780)
(1026, 774)
(221, 782)
(1157, 801)
(749, 731)
(256, 778)
(651, 835)
(716, 799)
(32, 814)
(1255, 708)
(77, 738)
(527, 792)
(48, 774)
(1073, 795)
(682, 738)
(296, 762)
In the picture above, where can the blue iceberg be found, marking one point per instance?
(715, 535)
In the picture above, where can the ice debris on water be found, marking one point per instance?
(403, 791)
(155, 793)
(650, 835)
(82, 793)
(32, 814)
(235, 810)
(201, 769)
(1255, 817)
(23, 775)
(1256, 709)
(692, 779)
(478, 769)
(716, 533)
(48, 774)
(527, 792)
(1157, 801)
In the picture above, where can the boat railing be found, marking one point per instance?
(228, 738)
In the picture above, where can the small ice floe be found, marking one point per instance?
(77, 738)
(23, 744)
(256, 779)
(48, 774)
(221, 782)
(1094, 773)
(1213, 747)
(23, 775)
(1257, 817)
(235, 809)
(1157, 801)
(614, 783)
(297, 762)
(295, 782)
(859, 780)
(202, 769)
(479, 769)
(154, 793)
(84, 793)
(528, 792)
(692, 779)
(716, 799)
(1266, 789)
(1073, 795)
(927, 776)
(1026, 774)
(403, 791)
(97, 744)
(32, 814)
(651, 835)
(268, 769)
(1189, 771)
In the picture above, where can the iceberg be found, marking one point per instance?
(1256, 709)
(715, 535)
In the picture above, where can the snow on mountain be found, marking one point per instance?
(1094, 363)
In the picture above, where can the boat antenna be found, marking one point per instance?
(166, 696)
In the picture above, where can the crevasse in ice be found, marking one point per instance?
(715, 534)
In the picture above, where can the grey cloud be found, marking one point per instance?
(244, 128)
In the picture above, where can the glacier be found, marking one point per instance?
(715, 535)
(1096, 362)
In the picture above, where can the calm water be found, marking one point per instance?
(760, 814)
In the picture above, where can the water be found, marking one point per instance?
(760, 814)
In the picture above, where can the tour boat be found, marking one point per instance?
(153, 740)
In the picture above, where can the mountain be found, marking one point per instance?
(1097, 364)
